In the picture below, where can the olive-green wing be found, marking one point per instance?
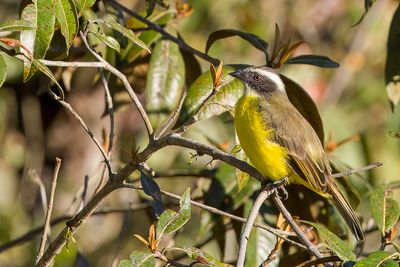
(292, 131)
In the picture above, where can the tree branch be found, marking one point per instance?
(300, 234)
(166, 35)
(74, 64)
(126, 84)
(349, 172)
(244, 237)
(319, 261)
(157, 144)
(71, 110)
(277, 232)
(46, 229)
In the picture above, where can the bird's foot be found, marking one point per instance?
(278, 188)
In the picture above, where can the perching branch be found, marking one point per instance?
(46, 230)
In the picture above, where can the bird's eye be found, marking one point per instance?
(257, 77)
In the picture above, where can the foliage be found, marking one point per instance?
(102, 57)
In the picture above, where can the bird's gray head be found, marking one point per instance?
(260, 80)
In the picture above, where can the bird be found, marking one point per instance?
(281, 144)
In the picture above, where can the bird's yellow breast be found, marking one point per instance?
(269, 158)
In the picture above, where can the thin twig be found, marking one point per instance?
(319, 261)
(354, 171)
(277, 232)
(46, 230)
(43, 196)
(110, 112)
(71, 110)
(166, 35)
(300, 234)
(126, 83)
(84, 191)
(36, 231)
(195, 117)
(203, 173)
(74, 64)
(169, 262)
(173, 116)
(244, 237)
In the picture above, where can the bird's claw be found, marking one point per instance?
(275, 187)
(281, 192)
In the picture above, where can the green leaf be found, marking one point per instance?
(15, 25)
(67, 256)
(45, 70)
(202, 257)
(3, 70)
(108, 40)
(384, 209)
(125, 263)
(141, 259)
(392, 68)
(165, 81)
(171, 221)
(150, 5)
(305, 105)
(110, 22)
(253, 39)
(367, 5)
(41, 15)
(338, 246)
(83, 5)
(67, 18)
(95, 42)
(132, 52)
(379, 259)
(315, 60)
(225, 99)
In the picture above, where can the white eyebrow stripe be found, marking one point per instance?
(273, 77)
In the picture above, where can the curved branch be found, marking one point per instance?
(166, 35)
(126, 84)
(71, 110)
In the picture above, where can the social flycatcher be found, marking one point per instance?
(281, 143)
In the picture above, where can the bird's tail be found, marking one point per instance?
(344, 208)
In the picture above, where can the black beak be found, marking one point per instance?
(237, 74)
